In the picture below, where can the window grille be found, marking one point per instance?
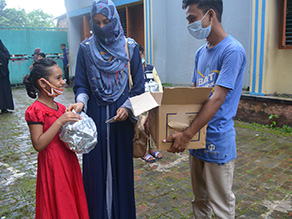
(285, 39)
(123, 18)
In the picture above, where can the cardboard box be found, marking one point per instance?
(171, 111)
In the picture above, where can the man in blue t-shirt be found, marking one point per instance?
(66, 63)
(218, 64)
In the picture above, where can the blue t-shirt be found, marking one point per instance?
(221, 65)
(65, 60)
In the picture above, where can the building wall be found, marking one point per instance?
(72, 5)
(258, 109)
(174, 48)
(278, 65)
(74, 40)
(74, 27)
(75, 11)
(270, 66)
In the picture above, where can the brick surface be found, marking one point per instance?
(262, 178)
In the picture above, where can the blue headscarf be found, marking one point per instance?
(107, 46)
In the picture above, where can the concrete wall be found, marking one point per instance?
(258, 109)
(74, 27)
(72, 5)
(277, 64)
(75, 10)
(174, 48)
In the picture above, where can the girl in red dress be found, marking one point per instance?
(59, 191)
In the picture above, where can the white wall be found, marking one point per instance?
(74, 29)
(72, 5)
(237, 21)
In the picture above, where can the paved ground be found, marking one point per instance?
(262, 184)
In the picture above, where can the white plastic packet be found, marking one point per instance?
(81, 136)
(151, 86)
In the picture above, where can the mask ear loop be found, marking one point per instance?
(205, 15)
(50, 85)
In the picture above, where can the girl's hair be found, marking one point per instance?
(42, 54)
(40, 69)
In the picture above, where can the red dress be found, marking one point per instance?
(59, 190)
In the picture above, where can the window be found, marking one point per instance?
(285, 39)
(123, 18)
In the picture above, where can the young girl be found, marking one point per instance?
(59, 191)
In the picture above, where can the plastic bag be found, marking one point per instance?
(151, 86)
(81, 136)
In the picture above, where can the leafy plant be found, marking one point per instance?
(284, 131)
(287, 129)
(272, 119)
(19, 18)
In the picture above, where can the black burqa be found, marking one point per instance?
(6, 101)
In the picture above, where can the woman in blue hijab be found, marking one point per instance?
(102, 91)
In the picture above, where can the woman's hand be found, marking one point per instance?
(122, 114)
(68, 116)
(76, 106)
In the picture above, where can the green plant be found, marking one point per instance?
(167, 85)
(174, 196)
(284, 131)
(272, 119)
(287, 129)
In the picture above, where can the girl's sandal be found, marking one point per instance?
(156, 154)
(148, 158)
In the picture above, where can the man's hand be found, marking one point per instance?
(180, 142)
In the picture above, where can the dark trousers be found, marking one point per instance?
(66, 72)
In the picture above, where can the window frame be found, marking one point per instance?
(283, 22)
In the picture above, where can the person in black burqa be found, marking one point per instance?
(6, 101)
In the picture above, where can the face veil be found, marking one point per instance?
(107, 50)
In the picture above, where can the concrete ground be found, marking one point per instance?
(262, 182)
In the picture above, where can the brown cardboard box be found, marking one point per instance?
(171, 111)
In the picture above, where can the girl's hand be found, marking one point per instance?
(76, 106)
(122, 114)
(68, 116)
(41, 139)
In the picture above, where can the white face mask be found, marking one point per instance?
(198, 31)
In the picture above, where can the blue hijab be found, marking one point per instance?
(107, 46)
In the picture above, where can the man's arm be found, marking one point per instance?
(209, 109)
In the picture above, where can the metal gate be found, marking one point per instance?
(21, 43)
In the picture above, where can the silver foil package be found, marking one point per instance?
(151, 86)
(81, 135)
